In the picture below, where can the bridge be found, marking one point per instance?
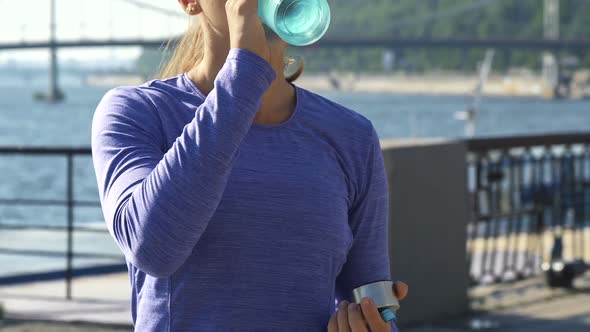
(549, 45)
(577, 45)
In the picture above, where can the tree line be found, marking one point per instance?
(435, 19)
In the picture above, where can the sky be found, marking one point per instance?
(86, 19)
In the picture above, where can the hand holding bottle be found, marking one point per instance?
(245, 27)
(352, 317)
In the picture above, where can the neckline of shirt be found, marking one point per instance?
(291, 119)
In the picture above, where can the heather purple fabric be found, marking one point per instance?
(227, 225)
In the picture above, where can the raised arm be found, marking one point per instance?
(158, 203)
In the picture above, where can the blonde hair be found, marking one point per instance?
(189, 51)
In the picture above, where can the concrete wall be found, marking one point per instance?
(428, 216)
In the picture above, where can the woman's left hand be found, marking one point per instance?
(364, 318)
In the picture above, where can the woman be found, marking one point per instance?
(241, 201)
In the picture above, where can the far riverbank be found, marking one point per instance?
(431, 84)
(530, 85)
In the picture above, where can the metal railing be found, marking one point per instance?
(70, 228)
(526, 193)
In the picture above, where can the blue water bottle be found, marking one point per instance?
(298, 22)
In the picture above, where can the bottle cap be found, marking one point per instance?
(388, 315)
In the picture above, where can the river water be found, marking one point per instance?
(26, 122)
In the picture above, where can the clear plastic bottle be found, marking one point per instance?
(298, 22)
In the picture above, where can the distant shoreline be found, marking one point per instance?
(433, 84)
(428, 84)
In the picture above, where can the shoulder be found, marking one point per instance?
(125, 101)
(145, 99)
(349, 126)
(350, 136)
(126, 109)
(153, 94)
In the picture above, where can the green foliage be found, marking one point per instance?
(434, 19)
(447, 19)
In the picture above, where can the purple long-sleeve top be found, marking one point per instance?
(228, 225)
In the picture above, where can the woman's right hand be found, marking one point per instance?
(245, 27)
